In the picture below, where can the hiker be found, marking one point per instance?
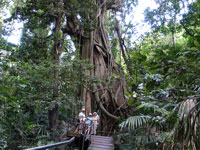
(96, 121)
(82, 119)
(88, 123)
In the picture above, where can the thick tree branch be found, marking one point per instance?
(101, 105)
(122, 47)
(114, 5)
(187, 31)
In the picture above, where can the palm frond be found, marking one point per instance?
(185, 129)
(134, 122)
(154, 107)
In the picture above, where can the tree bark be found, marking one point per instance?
(173, 39)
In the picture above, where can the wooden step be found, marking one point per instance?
(99, 139)
(101, 143)
(105, 137)
(101, 146)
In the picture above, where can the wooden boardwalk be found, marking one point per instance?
(101, 143)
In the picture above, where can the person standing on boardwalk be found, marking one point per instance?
(88, 123)
(96, 121)
(82, 119)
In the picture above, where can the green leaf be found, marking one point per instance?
(196, 43)
(116, 75)
(193, 48)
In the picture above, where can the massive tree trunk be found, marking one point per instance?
(108, 95)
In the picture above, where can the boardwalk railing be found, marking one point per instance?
(85, 137)
(53, 145)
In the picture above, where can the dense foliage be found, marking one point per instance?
(162, 73)
(166, 75)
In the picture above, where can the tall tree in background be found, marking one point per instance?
(57, 50)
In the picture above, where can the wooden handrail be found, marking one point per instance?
(85, 137)
(53, 145)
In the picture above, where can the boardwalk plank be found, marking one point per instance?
(101, 143)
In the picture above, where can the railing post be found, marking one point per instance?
(80, 142)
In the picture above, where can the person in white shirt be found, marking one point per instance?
(96, 121)
(82, 119)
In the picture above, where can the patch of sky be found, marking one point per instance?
(136, 18)
(14, 28)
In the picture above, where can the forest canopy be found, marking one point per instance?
(144, 84)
